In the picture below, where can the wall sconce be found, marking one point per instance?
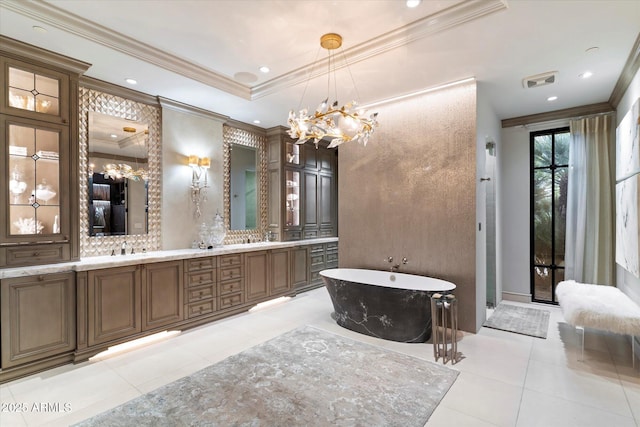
(199, 182)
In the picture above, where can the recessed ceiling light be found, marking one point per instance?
(256, 122)
(413, 3)
(552, 98)
(113, 135)
(131, 81)
(39, 29)
(264, 69)
(585, 75)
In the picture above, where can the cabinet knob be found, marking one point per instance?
(36, 253)
(40, 278)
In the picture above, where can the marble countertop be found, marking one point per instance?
(94, 263)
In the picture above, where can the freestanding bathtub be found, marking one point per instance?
(388, 305)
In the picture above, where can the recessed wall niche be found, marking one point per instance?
(105, 103)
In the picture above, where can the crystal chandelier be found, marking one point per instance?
(331, 122)
(123, 170)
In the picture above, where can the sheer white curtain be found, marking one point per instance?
(590, 248)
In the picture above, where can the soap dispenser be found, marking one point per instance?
(123, 249)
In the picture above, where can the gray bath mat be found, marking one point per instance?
(304, 377)
(521, 320)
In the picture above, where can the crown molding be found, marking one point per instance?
(73, 24)
(629, 70)
(121, 91)
(246, 126)
(23, 50)
(447, 18)
(170, 104)
(567, 113)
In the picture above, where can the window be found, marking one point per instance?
(549, 175)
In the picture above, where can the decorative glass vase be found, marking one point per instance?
(218, 231)
(203, 236)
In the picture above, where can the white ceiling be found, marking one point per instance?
(206, 53)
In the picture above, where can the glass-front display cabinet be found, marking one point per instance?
(292, 199)
(37, 174)
(293, 154)
(34, 179)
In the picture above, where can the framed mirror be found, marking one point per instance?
(245, 184)
(243, 214)
(117, 176)
(117, 203)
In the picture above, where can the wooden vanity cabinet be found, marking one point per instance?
(162, 294)
(268, 274)
(299, 267)
(200, 290)
(125, 301)
(279, 271)
(38, 320)
(231, 281)
(257, 275)
(114, 298)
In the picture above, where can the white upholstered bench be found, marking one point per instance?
(601, 307)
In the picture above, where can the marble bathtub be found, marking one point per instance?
(388, 305)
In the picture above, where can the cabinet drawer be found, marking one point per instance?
(327, 232)
(315, 277)
(230, 272)
(332, 247)
(292, 235)
(201, 278)
(317, 261)
(332, 257)
(310, 234)
(200, 308)
(228, 260)
(230, 300)
(316, 249)
(197, 294)
(36, 254)
(230, 287)
(197, 264)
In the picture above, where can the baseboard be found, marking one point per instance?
(514, 296)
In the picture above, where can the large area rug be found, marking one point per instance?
(521, 320)
(306, 377)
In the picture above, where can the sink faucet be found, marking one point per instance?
(395, 267)
(123, 250)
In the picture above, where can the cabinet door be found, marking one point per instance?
(38, 317)
(310, 196)
(326, 204)
(299, 267)
(114, 298)
(34, 92)
(256, 275)
(162, 294)
(280, 279)
(35, 199)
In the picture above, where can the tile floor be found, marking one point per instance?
(505, 379)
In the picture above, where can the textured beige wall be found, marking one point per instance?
(411, 193)
(184, 134)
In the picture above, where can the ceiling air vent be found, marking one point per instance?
(539, 79)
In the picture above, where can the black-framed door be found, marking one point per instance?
(549, 177)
